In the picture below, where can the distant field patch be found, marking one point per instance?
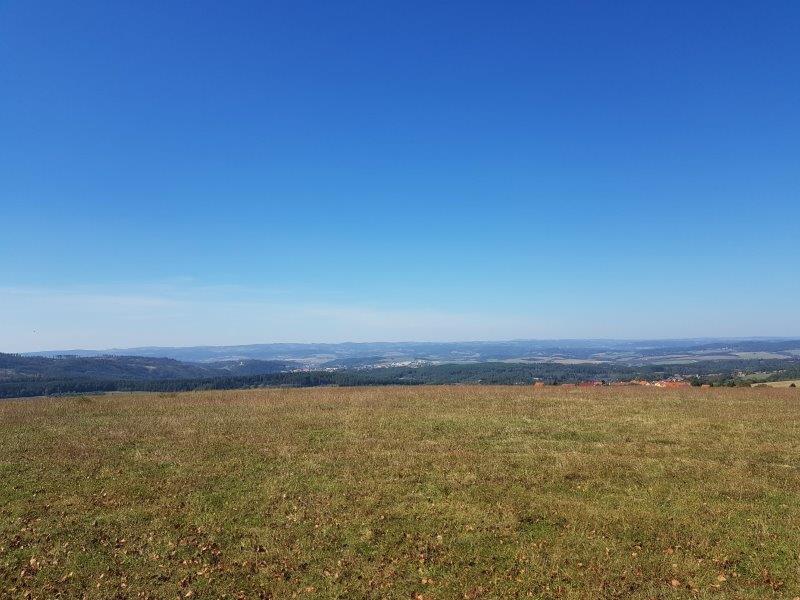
(689, 359)
(783, 384)
(761, 355)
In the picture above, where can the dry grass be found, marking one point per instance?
(432, 492)
(796, 383)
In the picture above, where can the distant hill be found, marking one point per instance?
(14, 367)
(40, 376)
(397, 363)
(629, 352)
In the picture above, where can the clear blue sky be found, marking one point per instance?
(234, 172)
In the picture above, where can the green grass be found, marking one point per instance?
(423, 492)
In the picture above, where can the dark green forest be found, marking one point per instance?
(36, 376)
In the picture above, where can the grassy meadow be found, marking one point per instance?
(403, 492)
(788, 383)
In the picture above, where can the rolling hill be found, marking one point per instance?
(14, 367)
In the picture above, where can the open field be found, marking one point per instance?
(780, 384)
(403, 492)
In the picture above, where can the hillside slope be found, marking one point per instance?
(14, 367)
(424, 492)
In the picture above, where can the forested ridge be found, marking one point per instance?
(175, 376)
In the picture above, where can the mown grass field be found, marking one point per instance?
(423, 492)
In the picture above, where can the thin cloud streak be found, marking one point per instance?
(184, 314)
(40, 318)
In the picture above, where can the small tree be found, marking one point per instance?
(792, 385)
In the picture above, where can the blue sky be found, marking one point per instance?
(235, 172)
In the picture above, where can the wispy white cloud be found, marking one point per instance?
(170, 314)
(182, 313)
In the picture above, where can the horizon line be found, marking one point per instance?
(473, 341)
